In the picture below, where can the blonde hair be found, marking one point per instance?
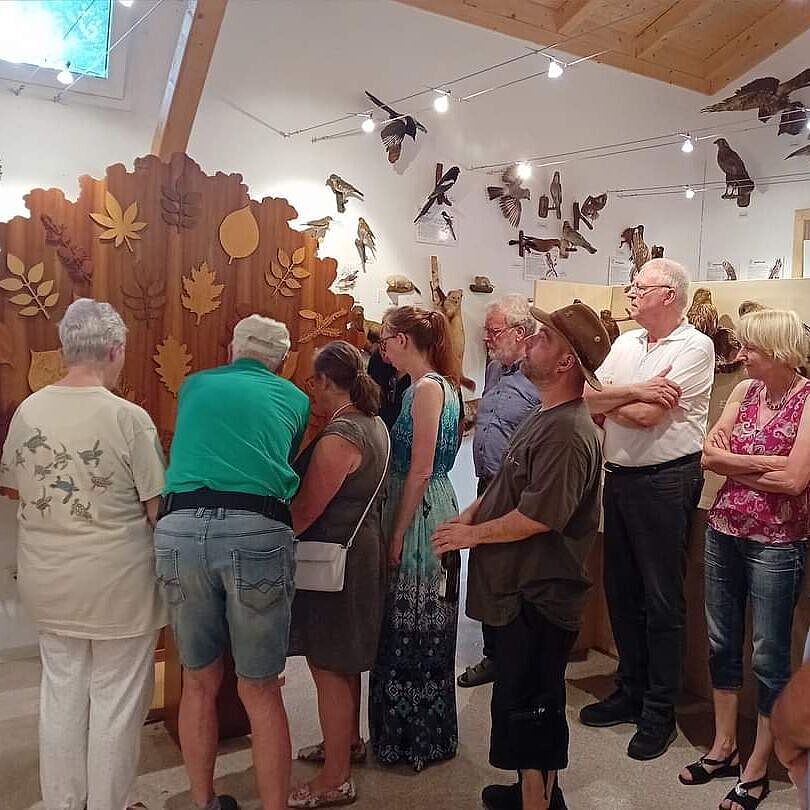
(778, 333)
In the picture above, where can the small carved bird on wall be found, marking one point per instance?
(633, 237)
(575, 238)
(365, 239)
(448, 221)
(793, 119)
(542, 206)
(394, 132)
(804, 150)
(739, 184)
(318, 227)
(556, 195)
(702, 314)
(593, 206)
(534, 244)
(401, 285)
(439, 194)
(767, 95)
(509, 196)
(342, 191)
(776, 270)
(729, 270)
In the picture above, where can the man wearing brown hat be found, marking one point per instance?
(530, 534)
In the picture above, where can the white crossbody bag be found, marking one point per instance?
(321, 566)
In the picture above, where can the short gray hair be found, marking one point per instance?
(515, 310)
(261, 339)
(89, 330)
(674, 275)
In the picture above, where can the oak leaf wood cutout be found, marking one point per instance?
(284, 277)
(201, 294)
(5, 346)
(322, 324)
(239, 234)
(75, 259)
(46, 368)
(121, 225)
(145, 297)
(34, 295)
(173, 363)
(181, 209)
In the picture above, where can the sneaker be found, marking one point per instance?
(613, 710)
(222, 802)
(651, 741)
(479, 674)
(507, 797)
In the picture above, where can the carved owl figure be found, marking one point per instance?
(703, 313)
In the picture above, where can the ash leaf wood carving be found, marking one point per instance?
(323, 324)
(121, 225)
(181, 208)
(201, 293)
(145, 295)
(283, 278)
(32, 299)
(173, 363)
(75, 259)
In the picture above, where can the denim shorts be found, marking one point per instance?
(227, 575)
(738, 570)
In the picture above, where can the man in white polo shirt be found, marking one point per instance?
(655, 399)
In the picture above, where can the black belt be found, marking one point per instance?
(205, 498)
(618, 469)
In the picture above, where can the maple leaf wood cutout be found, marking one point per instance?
(120, 224)
(202, 295)
(173, 363)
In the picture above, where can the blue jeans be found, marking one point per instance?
(738, 569)
(227, 575)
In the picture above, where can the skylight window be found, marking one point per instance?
(54, 34)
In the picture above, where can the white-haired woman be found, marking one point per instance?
(88, 469)
(756, 541)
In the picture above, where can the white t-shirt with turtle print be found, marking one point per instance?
(83, 460)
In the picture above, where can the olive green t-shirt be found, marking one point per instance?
(550, 473)
(238, 426)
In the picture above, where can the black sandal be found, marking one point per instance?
(740, 795)
(722, 769)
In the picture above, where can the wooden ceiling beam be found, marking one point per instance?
(573, 14)
(655, 34)
(187, 75)
(766, 36)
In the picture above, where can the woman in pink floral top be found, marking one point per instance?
(755, 541)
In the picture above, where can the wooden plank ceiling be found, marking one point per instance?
(702, 45)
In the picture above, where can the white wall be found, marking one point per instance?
(291, 75)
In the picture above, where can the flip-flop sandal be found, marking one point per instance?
(306, 797)
(721, 769)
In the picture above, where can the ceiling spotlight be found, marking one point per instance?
(524, 170)
(126, 3)
(441, 103)
(689, 193)
(688, 146)
(368, 125)
(555, 69)
(65, 76)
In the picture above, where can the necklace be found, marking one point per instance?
(341, 409)
(777, 406)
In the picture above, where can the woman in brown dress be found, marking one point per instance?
(338, 632)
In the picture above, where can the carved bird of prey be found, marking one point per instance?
(509, 196)
(394, 132)
(439, 194)
(576, 238)
(702, 314)
(767, 95)
(739, 184)
(556, 195)
(592, 206)
(342, 190)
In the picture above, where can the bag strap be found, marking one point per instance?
(348, 545)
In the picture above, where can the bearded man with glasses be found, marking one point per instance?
(657, 382)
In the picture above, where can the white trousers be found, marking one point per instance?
(94, 698)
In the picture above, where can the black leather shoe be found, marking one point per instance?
(651, 741)
(479, 674)
(507, 797)
(613, 710)
(227, 803)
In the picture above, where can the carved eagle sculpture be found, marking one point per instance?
(702, 314)
(767, 95)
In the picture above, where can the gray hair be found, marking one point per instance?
(674, 275)
(515, 310)
(89, 330)
(261, 339)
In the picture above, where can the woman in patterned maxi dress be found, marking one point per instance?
(412, 704)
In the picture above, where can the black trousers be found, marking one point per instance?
(486, 630)
(529, 729)
(647, 522)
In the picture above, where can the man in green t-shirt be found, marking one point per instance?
(530, 534)
(224, 551)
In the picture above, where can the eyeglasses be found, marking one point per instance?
(639, 292)
(494, 334)
(384, 340)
